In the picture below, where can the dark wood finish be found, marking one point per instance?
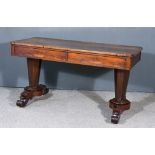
(39, 53)
(99, 60)
(34, 89)
(121, 58)
(33, 71)
(120, 103)
(94, 54)
(110, 49)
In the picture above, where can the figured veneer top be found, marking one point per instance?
(80, 46)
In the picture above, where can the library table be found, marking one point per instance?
(121, 58)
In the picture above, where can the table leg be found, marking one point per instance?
(34, 89)
(119, 103)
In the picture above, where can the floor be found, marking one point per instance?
(74, 109)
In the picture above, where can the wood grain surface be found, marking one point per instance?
(121, 58)
(77, 52)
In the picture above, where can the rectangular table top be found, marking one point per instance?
(101, 48)
(78, 52)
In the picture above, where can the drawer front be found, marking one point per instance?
(39, 53)
(99, 60)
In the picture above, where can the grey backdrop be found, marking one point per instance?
(13, 71)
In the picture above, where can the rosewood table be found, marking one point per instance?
(118, 57)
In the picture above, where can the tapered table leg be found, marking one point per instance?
(119, 103)
(34, 89)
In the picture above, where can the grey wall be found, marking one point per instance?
(13, 71)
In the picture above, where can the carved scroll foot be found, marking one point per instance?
(22, 102)
(29, 93)
(118, 107)
(115, 117)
